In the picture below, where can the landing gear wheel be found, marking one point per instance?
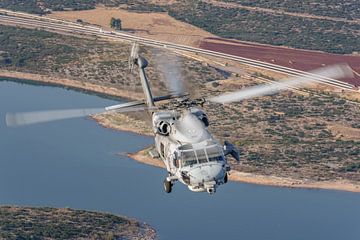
(167, 186)
(226, 178)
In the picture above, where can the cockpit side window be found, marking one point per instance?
(176, 160)
(216, 159)
(214, 154)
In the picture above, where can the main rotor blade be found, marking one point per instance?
(170, 66)
(26, 118)
(334, 71)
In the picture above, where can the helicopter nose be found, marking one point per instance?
(207, 173)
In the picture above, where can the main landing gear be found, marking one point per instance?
(226, 178)
(168, 186)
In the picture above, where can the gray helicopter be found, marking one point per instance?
(183, 142)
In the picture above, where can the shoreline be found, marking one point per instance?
(142, 157)
(264, 180)
(73, 84)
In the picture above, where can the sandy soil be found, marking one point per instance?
(344, 132)
(159, 26)
(122, 123)
(143, 157)
(292, 183)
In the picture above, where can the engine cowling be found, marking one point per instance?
(163, 128)
(201, 116)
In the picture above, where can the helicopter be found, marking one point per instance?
(183, 142)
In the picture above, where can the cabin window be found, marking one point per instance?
(176, 161)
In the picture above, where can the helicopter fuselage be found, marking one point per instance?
(190, 153)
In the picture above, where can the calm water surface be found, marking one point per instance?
(73, 163)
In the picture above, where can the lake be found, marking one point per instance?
(76, 163)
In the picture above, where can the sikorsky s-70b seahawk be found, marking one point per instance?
(190, 153)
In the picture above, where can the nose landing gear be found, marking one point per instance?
(211, 190)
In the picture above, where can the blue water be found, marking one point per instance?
(74, 163)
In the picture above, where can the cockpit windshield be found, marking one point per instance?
(190, 156)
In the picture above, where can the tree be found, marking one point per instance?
(115, 23)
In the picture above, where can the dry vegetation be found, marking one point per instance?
(51, 223)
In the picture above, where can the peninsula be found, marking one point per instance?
(65, 223)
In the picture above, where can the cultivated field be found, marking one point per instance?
(287, 57)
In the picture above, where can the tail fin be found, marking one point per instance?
(142, 64)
